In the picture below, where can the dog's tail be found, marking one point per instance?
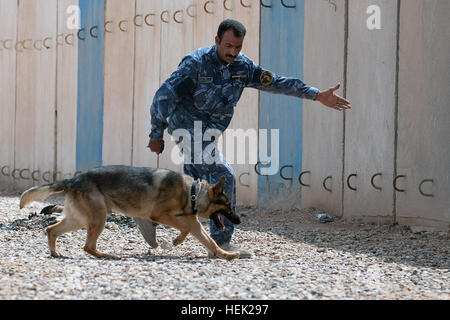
(42, 192)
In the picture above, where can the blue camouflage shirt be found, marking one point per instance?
(204, 89)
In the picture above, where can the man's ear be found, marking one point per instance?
(218, 187)
(217, 40)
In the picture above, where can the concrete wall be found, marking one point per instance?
(423, 118)
(370, 126)
(323, 128)
(67, 94)
(8, 35)
(397, 131)
(35, 105)
(119, 83)
(146, 78)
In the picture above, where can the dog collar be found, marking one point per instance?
(194, 195)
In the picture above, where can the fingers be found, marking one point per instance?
(341, 103)
(341, 107)
(335, 101)
(344, 107)
(336, 88)
(341, 100)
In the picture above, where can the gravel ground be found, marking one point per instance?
(295, 257)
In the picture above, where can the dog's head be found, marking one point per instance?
(219, 205)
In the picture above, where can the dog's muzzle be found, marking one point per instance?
(217, 218)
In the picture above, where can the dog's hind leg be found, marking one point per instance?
(181, 237)
(54, 231)
(169, 220)
(94, 229)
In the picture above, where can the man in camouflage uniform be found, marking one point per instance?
(202, 93)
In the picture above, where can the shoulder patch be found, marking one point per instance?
(266, 78)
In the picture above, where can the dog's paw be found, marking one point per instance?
(99, 254)
(57, 255)
(231, 256)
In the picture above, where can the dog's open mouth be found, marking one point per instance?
(217, 218)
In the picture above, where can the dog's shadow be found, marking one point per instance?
(150, 257)
(142, 257)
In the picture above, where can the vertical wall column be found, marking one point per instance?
(66, 87)
(34, 142)
(118, 82)
(323, 128)
(282, 40)
(423, 155)
(370, 125)
(146, 78)
(90, 85)
(8, 35)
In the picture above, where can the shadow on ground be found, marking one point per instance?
(391, 243)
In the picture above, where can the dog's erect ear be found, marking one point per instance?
(218, 187)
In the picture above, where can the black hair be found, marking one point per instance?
(237, 27)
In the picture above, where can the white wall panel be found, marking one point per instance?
(423, 117)
(370, 125)
(146, 78)
(323, 128)
(118, 82)
(8, 36)
(36, 95)
(67, 82)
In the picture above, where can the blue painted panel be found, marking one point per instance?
(281, 51)
(90, 85)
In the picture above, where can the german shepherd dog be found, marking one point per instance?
(161, 195)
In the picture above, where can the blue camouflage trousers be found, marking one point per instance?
(212, 173)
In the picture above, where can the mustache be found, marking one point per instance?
(231, 56)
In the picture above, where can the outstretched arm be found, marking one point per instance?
(267, 81)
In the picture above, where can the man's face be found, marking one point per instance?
(230, 46)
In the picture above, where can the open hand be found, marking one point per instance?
(332, 100)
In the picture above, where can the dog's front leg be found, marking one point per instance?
(200, 233)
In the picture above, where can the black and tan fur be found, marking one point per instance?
(161, 195)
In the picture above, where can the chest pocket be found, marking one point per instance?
(204, 92)
(238, 82)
